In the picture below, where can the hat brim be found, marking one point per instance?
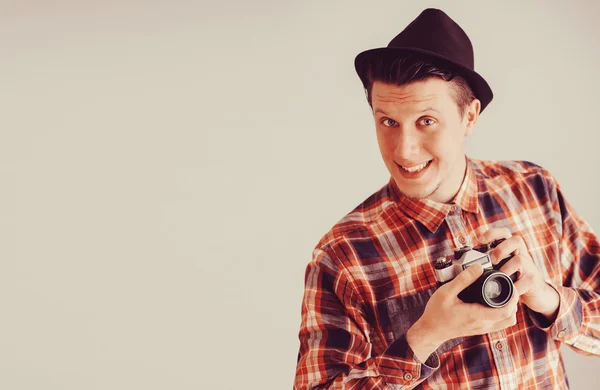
(480, 87)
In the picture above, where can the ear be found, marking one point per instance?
(471, 115)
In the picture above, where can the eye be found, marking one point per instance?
(389, 122)
(427, 121)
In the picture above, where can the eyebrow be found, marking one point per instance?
(430, 109)
(420, 112)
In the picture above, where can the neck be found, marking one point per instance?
(450, 187)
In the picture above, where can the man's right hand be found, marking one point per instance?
(447, 317)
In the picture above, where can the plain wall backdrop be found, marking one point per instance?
(167, 167)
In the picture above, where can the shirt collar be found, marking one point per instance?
(430, 213)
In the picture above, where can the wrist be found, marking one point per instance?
(549, 304)
(423, 340)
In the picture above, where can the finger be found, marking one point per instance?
(499, 314)
(494, 234)
(522, 243)
(516, 264)
(505, 249)
(524, 284)
(464, 279)
(513, 304)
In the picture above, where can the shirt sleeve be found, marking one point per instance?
(577, 323)
(335, 347)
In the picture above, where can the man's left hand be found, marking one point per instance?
(534, 292)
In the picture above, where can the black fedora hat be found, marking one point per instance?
(436, 35)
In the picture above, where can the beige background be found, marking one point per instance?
(166, 169)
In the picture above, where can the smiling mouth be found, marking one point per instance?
(415, 168)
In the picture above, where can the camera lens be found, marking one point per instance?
(492, 289)
(497, 289)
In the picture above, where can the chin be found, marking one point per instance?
(421, 195)
(422, 191)
(418, 193)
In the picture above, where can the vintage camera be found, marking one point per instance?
(493, 288)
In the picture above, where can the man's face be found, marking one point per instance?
(421, 136)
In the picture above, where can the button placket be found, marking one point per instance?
(502, 357)
(458, 228)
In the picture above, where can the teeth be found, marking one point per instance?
(416, 168)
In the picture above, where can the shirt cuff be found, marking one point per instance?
(401, 366)
(567, 325)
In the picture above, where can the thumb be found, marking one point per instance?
(465, 279)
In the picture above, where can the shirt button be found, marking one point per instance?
(455, 209)
(499, 346)
(561, 334)
(408, 376)
(462, 240)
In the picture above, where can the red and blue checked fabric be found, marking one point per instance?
(371, 276)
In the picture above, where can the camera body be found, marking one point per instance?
(493, 288)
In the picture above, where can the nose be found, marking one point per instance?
(407, 146)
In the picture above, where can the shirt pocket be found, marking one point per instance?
(404, 311)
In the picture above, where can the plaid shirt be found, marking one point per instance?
(371, 276)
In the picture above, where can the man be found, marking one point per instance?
(373, 316)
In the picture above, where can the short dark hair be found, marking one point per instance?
(415, 67)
